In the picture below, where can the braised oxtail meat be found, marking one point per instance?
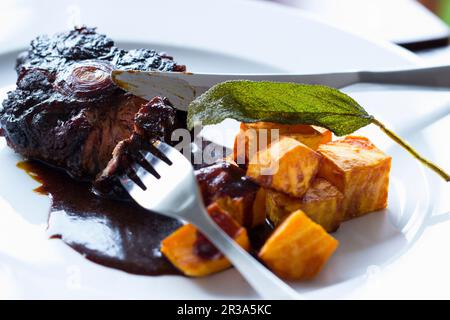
(224, 179)
(66, 111)
(219, 181)
(155, 120)
(158, 119)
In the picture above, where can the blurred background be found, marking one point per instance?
(439, 7)
(422, 26)
(414, 24)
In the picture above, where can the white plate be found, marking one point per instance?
(224, 36)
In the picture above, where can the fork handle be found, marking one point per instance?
(260, 278)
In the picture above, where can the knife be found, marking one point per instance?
(181, 88)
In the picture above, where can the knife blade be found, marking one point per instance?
(182, 88)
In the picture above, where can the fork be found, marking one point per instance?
(165, 183)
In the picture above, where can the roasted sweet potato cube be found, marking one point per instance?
(280, 205)
(298, 248)
(312, 136)
(322, 202)
(248, 140)
(314, 139)
(192, 253)
(360, 171)
(286, 165)
(246, 212)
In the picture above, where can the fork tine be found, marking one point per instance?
(154, 160)
(141, 160)
(144, 170)
(151, 147)
(170, 152)
(157, 167)
(131, 173)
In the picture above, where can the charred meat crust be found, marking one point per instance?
(65, 110)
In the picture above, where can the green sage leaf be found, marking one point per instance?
(281, 102)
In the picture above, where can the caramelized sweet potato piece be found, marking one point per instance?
(322, 203)
(286, 165)
(193, 254)
(298, 248)
(360, 171)
(244, 214)
(247, 141)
